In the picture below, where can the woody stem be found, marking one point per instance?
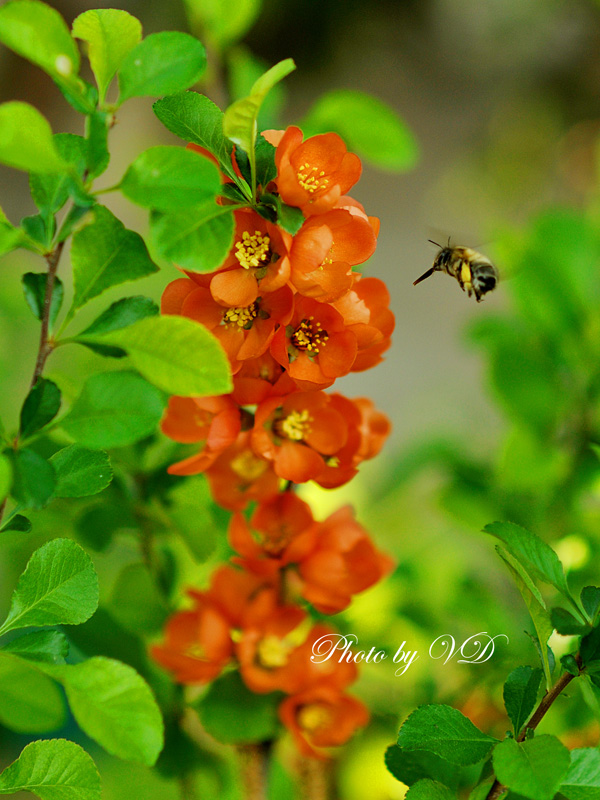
(253, 761)
(45, 348)
(315, 779)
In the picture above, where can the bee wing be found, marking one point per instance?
(429, 272)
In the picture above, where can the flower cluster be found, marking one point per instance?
(292, 316)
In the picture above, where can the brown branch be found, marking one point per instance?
(2, 508)
(45, 348)
(253, 760)
(497, 789)
(315, 778)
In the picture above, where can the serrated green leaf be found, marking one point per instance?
(195, 118)
(26, 140)
(114, 409)
(533, 552)
(534, 768)
(29, 701)
(80, 472)
(53, 770)
(38, 32)
(289, 217)
(447, 733)
(120, 314)
(266, 170)
(41, 405)
(240, 121)
(5, 477)
(566, 624)
(16, 523)
(590, 647)
(198, 239)
(520, 694)
(104, 254)
(51, 647)
(98, 156)
(136, 602)
(590, 600)
(33, 479)
(58, 587)
(570, 664)
(114, 706)
(429, 790)
(50, 192)
(34, 288)
(413, 766)
(163, 63)
(582, 781)
(220, 21)
(369, 127)
(233, 714)
(111, 34)
(176, 354)
(170, 178)
(10, 237)
(38, 230)
(244, 68)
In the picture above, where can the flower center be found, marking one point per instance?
(311, 179)
(309, 336)
(272, 652)
(296, 426)
(243, 317)
(253, 250)
(313, 716)
(247, 466)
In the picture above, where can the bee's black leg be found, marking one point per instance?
(425, 275)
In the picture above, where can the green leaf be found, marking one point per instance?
(163, 63)
(53, 770)
(29, 701)
(5, 477)
(239, 123)
(520, 694)
(39, 230)
(590, 600)
(171, 178)
(266, 170)
(220, 21)
(289, 217)
(429, 790)
(104, 254)
(413, 766)
(41, 405)
(50, 192)
(37, 32)
(34, 287)
(16, 523)
(566, 624)
(10, 237)
(114, 409)
(97, 524)
(33, 479)
(535, 606)
(582, 781)
(197, 240)
(368, 126)
(195, 118)
(570, 664)
(136, 602)
(51, 647)
(534, 768)
(243, 69)
(58, 587)
(233, 714)
(191, 510)
(111, 34)
(26, 140)
(114, 706)
(98, 157)
(447, 733)
(175, 353)
(120, 314)
(537, 556)
(80, 472)
(590, 647)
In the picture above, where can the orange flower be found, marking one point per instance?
(322, 717)
(214, 420)
(314, 174)
(230, 592)
(238, 476)
(297, 433)
(326, 248)
(316, 347)
(197, 644)
(259, 378)
(258, 261)
(341, 561)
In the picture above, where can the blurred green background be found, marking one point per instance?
(494, 405)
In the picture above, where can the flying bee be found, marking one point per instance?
(474, 272)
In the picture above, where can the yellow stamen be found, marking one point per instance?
(243, 317)
(273, 652)
(312, 717)
(253, 250)
(310, 336)
(247, 466)
(296, 426)
(310, 179)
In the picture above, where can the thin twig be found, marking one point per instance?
(497, 789)
(45, 348)
(254, 762)
(315, 778)
(2, 508)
